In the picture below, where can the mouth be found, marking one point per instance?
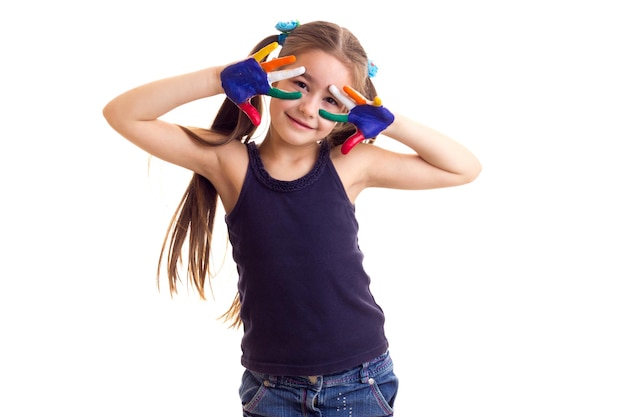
(299, 123)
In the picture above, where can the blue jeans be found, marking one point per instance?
(368, 390)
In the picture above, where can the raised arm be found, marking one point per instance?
(438, 160)
(135, 115)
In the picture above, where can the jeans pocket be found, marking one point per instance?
(251, 390)
(384, 390)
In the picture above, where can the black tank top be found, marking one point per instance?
(306, 304)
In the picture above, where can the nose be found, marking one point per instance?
(308, 106)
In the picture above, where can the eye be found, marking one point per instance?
(301, 85)
(331, 100)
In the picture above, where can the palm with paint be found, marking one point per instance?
(243, 80)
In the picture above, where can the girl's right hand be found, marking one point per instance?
(243, 80)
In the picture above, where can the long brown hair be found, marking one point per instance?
(193, 219)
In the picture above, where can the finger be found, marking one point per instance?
(274, 76)
(345, 100)
(265, 51)
(355, 95)
(341, 118)
(251, 112)
(352, 141)
(285, 95)
(277, 63)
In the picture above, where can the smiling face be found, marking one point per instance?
(298, 122)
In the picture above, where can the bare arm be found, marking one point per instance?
(135, 115)
(441, 161)
(438, 161)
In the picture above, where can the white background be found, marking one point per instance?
(504, 297)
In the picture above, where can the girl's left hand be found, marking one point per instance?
(245, 79)
(369, 117)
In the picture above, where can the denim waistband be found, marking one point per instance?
(361, 373)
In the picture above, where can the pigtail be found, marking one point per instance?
(192, 223)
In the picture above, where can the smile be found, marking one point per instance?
(299, 123)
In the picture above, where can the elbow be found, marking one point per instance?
(472, 172)
(114, 115)
(108, 112)
(468, 172)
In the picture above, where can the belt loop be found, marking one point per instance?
(364, 373)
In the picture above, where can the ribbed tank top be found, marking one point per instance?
(306, 304)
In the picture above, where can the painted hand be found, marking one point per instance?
(370, 118)
(243, 80)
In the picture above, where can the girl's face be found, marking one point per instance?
(298, 122)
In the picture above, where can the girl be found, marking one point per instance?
(313, 340)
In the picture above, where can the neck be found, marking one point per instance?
(287, 162)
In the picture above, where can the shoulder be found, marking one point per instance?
(213, 151)
(354, 168)
(213, 156)
(232, 151)
(369, 166)
(225, 159)
(229, 171)
(359, 160)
